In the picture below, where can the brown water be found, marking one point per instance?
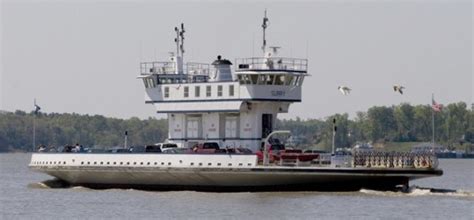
(23, 196)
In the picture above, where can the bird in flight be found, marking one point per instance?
(398, 88)
(344, 90)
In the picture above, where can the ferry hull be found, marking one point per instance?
(235, 179)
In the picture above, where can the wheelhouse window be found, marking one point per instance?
(295, 81)
(149, 82)
(300, 82)
(289, 79)
(270, 79)
(280, 80)
(208, 91)
(219, 90)
(197, 91)
(231, 90)
(254, 79)
(167, 92)
(186, 91)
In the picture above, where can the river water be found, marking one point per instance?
(23, 196)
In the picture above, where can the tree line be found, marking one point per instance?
(379, 124)
(53, 129)
(454, 125)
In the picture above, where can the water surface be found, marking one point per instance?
(24, 196)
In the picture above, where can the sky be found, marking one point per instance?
(83, 56)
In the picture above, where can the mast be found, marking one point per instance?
(264, 26)
(181, 35)
(179, 40)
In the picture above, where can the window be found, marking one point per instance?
(197, 91)
(301, 81)
(270, 79)
(289, 80)
(209, 164)
(208, 91)
(241, 79)
(279, 79)
(149, 82)
(261, 79)
(231, 90)
(219, 91)
(167, 92)
(186, 91)
(254, 79)
(295, 80)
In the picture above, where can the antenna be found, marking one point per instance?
(264, 26)
(176, 40)
(181, 34)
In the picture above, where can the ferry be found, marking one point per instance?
(222, 137)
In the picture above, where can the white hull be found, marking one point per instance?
(253, 177)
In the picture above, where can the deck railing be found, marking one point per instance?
(272, 64)
(157, 67)
(160, 67)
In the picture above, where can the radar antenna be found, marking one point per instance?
(181, 34)
(264, 26)
(176, 40)
(179, 40)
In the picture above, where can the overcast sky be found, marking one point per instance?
(83, 56)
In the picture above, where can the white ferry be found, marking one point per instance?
(221, 135)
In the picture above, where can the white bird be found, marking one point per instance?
(344, 90)
(398, 88)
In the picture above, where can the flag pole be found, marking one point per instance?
(334, 129)
(34, 126)
(432, 123)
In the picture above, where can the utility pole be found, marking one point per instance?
(126, 140)
(334, 130)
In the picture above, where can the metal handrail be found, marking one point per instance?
(271, 63)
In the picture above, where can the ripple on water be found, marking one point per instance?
(421, 191)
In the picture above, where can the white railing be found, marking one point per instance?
(271, 63)
(157, 67)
